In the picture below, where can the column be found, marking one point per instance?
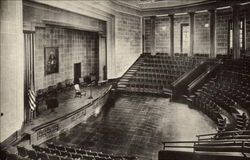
(152, 46)
(191, 22)
(102, 57)
(143, 34)
(171, 30)
(11, 67)
(236, 31)
(212, 32)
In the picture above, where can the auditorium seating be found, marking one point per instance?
(227, 90)
(151, 74)
(60, 152)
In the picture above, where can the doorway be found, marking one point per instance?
(77, 72)
(185, 38)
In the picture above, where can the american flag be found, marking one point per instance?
(32, 99)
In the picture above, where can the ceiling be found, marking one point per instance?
(146, 4)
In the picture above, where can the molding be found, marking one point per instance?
(167, 4)
(206, 5)
(31, 26)
(83, 10)
(70, 26)
(113, 7)
(102, 10)
(126, 4)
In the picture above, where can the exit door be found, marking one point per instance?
(77, 72)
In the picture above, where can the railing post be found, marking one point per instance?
(195, 146)
(242, 146)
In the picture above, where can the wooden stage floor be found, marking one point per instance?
(136, 125)
(67, 103)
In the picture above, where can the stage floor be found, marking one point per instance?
(136, 125)
(67, 103)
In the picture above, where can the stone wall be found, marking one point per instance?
(178, 20)
(248, 32)
(162, 35)
(222, 19)
(201, 34)
(127, 41)
(74, 47)
(76, 44)
(147, 35)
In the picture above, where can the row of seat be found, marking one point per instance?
(83, 151)
(175, 54)
(182, 54)
(59, 152)
(5, 155)
(224, 102)
(164, 68)
(203, 103)
(229, 89)
(145, 88)
(159, 70)
(172, 60)
(37, 155)
(157, 75)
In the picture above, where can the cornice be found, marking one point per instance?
(178, 7)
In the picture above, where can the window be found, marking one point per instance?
(185, 38)
(242, 36)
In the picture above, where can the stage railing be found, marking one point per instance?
(206, 146)
(50, 129)
(227, 134)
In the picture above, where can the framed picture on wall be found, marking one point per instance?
(51, 59)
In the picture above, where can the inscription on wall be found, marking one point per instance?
(48, 131)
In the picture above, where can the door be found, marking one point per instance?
(77, 72)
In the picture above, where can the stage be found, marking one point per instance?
(71, 110)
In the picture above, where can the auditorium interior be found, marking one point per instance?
(125, 79)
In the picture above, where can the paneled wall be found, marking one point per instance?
(74, 47)
(127, 41)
